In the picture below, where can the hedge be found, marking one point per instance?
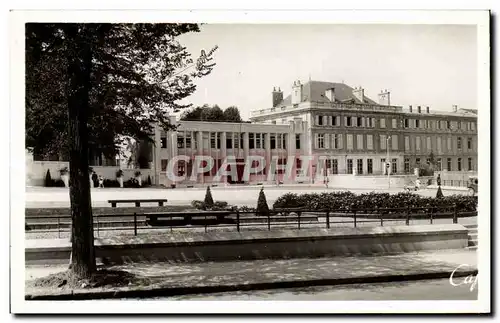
(374, 201)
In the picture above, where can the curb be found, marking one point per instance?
(191, 290)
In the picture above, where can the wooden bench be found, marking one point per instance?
(138, 201)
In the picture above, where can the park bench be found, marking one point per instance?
(137, 201)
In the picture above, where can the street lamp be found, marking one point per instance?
(388, 162)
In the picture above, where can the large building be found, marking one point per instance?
(355, 134)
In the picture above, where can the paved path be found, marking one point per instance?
(59, 197)
(435, 289)
(165, 274)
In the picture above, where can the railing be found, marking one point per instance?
(239, 220)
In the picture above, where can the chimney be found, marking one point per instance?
(411, 109)
(419, 109)
(296, 92)
(330, 94)
(384, 97)
(455, 108)
(277, 97)
(359, 93)
(427, 109)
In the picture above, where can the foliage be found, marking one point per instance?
(217, 206)
(139, 73)
(425, 170)
(262, 207)
(63, 171)
(209, 201)
(439, 193)
(372, 201)
(137, 173)
(212, 114)
(111, 183)
(119, 173)
(48, 179)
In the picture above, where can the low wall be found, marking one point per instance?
(369, 181)
(37, 170)
(307, 243)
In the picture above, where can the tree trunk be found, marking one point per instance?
(78, 86)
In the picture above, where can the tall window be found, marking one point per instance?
(439, 164)
(180, 140)
(448, 164)
(229, 141)
(459, 164)
(407, 165)
(369, 142)
(320, 120)
(236, 137)
(258, 141)
(382, 123)
(429, 144)
(349, 121)
(438, 142)
(448, 124)
(383, 142)
(417, 123)
(349, 166)
(469, 143)
(213, 142)
(394, 123)
(417, 143)
(360, 166)
(321, 141)
(469, 163)
(335, 166)
(188, 140)
(369, 164)
(272, 140)
(359, 142)
(349, 142)
(459, 143)
(383, 165)
(297, 141)
(163, 142)
(251, 142)
(394, 168)
(407, 123)
(407, 143)
(449, 144)
(394, 142)
(359, 122)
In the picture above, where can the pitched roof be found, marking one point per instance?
(315, 91)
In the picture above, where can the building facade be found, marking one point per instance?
(362, 136)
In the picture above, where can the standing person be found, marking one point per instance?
(327, 181)
(101, 181)
(438, 180)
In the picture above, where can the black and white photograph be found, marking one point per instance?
(179, 157)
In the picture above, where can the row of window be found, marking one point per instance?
(439, 164)
(369, 122)
(439, 124)
(233, 140)
(439, 144)
(334, 141)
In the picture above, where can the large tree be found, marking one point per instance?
(87, 85)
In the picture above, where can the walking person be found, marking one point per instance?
(101, 181)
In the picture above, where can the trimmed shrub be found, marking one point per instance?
(262, 207)
(209, 201)
(371, 201)
(439, 194)
(48, 179)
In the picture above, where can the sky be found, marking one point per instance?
(427, 65)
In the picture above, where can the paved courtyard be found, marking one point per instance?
(241, 195)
